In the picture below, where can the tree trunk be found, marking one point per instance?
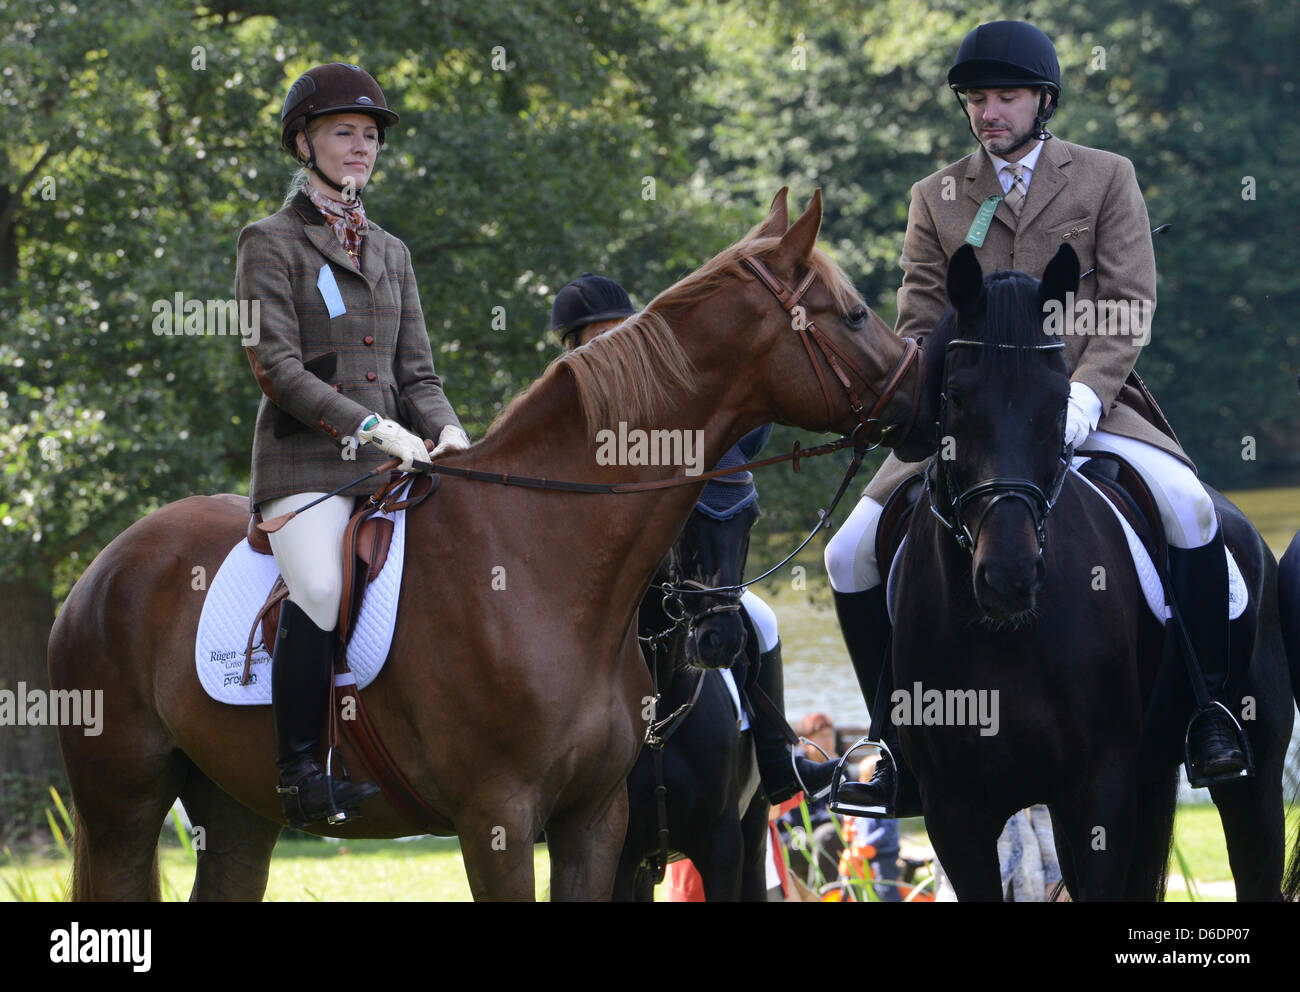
(30, 758)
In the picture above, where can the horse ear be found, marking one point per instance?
(797, 243)
(778, 217)
(1060, 277)
(965, 279)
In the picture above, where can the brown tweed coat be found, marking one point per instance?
(1079, 196)
(320, 375)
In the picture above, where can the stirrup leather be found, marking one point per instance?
(851, 808)
(1197, 781)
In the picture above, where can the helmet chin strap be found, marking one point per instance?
(1040, 118)
(311, 164)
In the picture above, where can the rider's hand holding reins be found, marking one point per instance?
(1083, 415)
(394, 439)
(452, 438)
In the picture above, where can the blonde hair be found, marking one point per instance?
(301, 177)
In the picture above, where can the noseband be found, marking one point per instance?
(1040, 503)
(868, 421)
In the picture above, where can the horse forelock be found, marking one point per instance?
(631, 371)
(1010, 318)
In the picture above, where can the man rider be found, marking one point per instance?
(1043, 192)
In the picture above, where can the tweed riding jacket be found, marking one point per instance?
(334, 345)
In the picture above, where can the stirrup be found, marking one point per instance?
(808, 795)
(875, 811)
(1202, 781)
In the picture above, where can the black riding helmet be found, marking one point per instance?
(336, 88)
(1004, 54)
(586, 300)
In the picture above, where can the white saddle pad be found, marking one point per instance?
(1152, 591)
(238, 592)
(729, 681)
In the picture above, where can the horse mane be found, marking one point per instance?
(631, 371)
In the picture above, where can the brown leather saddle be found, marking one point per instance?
(366, 541)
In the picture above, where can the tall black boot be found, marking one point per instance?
(892, 791)
(1199, 581)
(772, 748)
(864, 622)
(301, 671)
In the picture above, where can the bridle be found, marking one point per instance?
(868, 421)
(1040, 503)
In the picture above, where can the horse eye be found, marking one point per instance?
(857, 316)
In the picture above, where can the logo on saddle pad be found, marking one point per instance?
(654, 447)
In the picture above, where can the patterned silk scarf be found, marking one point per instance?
(347, 220)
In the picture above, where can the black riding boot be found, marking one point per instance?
(1199, 580)
(300, 693)
(772, 749)
(864, 621)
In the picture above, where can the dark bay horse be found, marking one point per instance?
(1023, 679)
(1288, 601)
(714, 808)
(511, 710)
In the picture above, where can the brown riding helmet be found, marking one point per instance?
(336, 88)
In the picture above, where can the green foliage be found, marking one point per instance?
(129, 171)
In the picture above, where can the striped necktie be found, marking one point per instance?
(1015, 198)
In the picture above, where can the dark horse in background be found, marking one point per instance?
(1288, 599)
(1017, 613)
(715, 810)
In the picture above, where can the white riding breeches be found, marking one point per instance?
(1185, 507)
(309, 552)
(764, 620)
(1186, 511)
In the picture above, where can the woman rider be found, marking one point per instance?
(343, 359)
(591, 305)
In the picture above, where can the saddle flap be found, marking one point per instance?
(895, 517)
(1121, 484)
(373, 538)
(258, 540)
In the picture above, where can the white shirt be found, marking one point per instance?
(1029, 162)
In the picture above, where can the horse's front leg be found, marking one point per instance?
(1101, 827)
(965, 840)
(496, 841)
(585, 845)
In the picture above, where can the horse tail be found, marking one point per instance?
(1157, 804)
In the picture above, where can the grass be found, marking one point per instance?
(431, 869)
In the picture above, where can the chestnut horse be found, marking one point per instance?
(511, 710)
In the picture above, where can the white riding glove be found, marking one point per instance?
(394, 439)
(1083, 414)
(452, 438)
